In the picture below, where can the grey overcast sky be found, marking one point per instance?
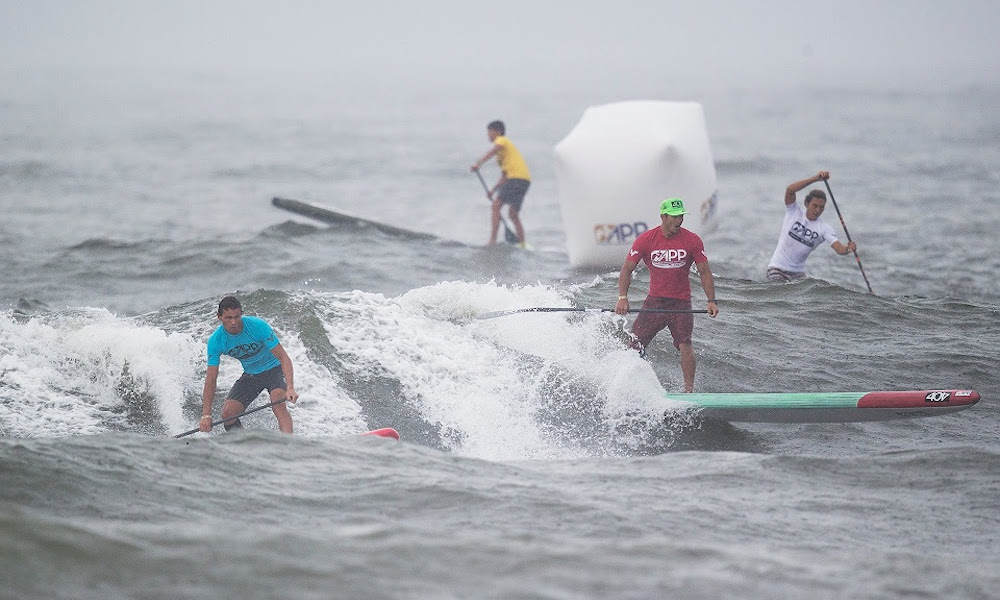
(899, 42)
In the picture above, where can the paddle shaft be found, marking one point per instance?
(848, 234)
(509, 234)
(221, 421)
(503, 313)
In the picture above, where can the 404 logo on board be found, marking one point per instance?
(938, 396)
(620, 234)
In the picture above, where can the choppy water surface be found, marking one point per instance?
(538, 457)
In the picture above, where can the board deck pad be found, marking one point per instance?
(835, 407)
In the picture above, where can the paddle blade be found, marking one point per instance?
(509, 235)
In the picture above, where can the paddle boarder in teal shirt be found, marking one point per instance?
(266, 365)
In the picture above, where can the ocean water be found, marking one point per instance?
(539, 459)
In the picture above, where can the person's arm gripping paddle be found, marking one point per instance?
(843, 249)
(798, 186)
(823, 176)
(207, 395)
(708, 283)
(288, 371)
(624, 281)
(490, 193)
(482, 161)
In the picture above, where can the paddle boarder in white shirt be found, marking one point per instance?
(802, 232)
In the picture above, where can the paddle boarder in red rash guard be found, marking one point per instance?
(668, 251)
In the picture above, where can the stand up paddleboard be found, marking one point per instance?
(335, 217)
(838, 407)
(330, 216)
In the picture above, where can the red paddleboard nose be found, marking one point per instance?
(387, 432)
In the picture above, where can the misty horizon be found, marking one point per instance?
(626, 45)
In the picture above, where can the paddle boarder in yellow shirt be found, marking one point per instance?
(514, 180)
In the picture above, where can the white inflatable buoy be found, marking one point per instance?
(617, 165)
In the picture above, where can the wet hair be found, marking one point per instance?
(498, 127)
(229, 303)
(814, 194)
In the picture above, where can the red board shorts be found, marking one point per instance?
(647, 325)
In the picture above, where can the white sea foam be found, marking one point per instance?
(469, 388)
(323, 409)
(74, 372)
(484, 382)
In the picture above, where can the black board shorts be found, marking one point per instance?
(248, 386)
(512, 192)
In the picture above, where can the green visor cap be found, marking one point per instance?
(672, 207)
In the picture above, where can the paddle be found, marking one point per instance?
(221, 421)
(844, 225)
(508, 234)
(503, 313)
